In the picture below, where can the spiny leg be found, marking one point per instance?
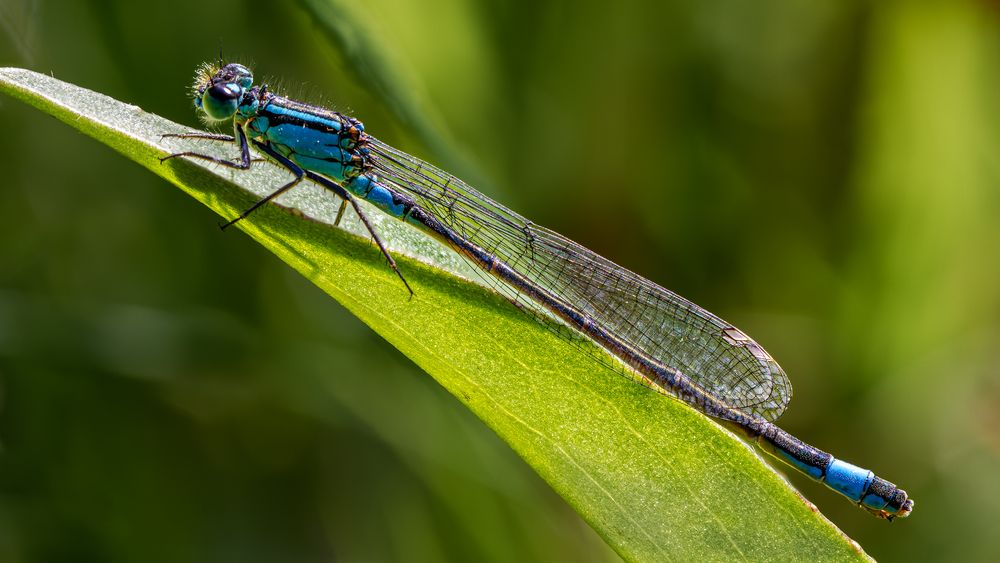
(378, 241)
(346, 196)
(340, 213)
(200, 135)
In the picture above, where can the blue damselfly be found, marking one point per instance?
(677, 346)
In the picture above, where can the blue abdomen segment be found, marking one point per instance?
(871, 492)
(862, 486)
(379, 195)
(849, 480)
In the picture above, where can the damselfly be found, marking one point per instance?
(680, 348)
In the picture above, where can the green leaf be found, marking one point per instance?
(655, 478)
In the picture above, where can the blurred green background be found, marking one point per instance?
(822, 174)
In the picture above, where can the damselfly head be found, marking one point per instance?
(218, 91)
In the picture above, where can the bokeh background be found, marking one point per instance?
(823, 174)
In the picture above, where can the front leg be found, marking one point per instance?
(200, 135)
(241, 137)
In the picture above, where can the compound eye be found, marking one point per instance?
(244, 77)
(220, 101)
(239, 74)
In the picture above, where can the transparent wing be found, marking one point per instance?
(711, 352)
